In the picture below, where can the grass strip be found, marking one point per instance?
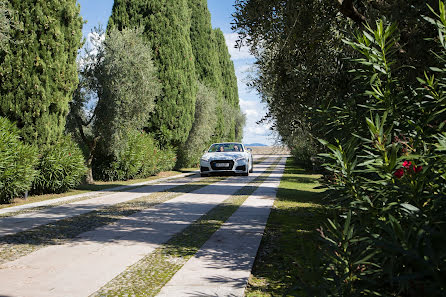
(96, 187)
(86, 188)
(289, 244)
(22, 243)
(93, 195)
(43, 207)
(260, 160)
(150, 274)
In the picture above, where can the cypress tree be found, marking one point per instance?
(229, 81)
(38, 73)
(207, 63)
(166, 26)
(203, 47)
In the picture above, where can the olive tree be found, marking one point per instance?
(117, 92)
(202, 129)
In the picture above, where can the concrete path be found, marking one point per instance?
(94, 258)
(22, 222)
(223, 265)
(90, 194)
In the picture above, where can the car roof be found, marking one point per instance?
(223, 143)
(227, 143)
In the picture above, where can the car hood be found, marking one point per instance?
(224, 156)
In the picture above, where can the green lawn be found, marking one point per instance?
(289, 244)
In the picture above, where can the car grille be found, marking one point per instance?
(243, 168)
(214, 166)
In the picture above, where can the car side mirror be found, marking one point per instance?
(249, 149)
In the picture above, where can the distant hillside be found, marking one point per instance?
(256, 144)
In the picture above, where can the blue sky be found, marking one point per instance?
(97, 12)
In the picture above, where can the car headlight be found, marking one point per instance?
(205, 159)
(241, 159)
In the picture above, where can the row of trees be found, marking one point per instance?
(362, 82)
(160, 78)
(187, 51)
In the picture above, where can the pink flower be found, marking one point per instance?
(417, 169)
(399, 173)
(407, 164)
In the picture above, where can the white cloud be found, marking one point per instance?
(250, 108)
(236, 53)
(251, 113)
(243, 70)
(248, 103)
(259, 130)
(254, 132)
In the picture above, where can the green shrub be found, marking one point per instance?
(166, 160)
(388, 181)
(61, 167)
(140, 158)
(17, 162)
(304, 150)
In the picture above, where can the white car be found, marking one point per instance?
(227, 157)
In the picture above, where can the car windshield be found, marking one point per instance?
(226, 147)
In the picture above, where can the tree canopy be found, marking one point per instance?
(303, 63)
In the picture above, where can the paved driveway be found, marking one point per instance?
(85, 264)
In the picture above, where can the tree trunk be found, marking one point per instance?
(92, 145)
(90, 179)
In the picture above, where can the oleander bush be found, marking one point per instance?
(388, 181)
(61, 167)
(141, 157)
(166, 159)
(17, 161)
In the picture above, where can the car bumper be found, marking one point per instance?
(212, 166)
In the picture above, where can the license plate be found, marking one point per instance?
(221, 164)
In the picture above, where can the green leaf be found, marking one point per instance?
(409, 207)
